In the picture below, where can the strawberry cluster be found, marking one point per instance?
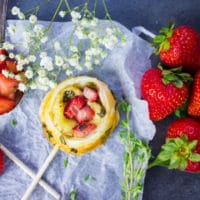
(77, 108)
(176, 86)
(9, 95)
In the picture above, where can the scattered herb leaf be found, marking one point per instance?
(73, 194)
(86, 178)
(14, 123)
(65, 162)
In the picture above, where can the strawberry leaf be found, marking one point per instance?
(194, 157)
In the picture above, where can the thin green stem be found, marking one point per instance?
(67, 5)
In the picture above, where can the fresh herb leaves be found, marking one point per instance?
(136, 156)
(65, 162)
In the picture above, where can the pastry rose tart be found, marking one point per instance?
(79, 114)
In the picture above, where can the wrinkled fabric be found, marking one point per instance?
(122, 71)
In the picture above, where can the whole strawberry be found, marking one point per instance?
(164, 90)
(182, 147)
(194, 102)
(179, 47)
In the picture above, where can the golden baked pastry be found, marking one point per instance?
(79, 114)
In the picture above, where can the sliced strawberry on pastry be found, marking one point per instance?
(90, 94)
(85, 114)
(11, 65)
(84, 129)
(8, 86)
(74, 105)
(3, 52)
(1, 161)
(6, 105)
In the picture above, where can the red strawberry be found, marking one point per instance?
(85, 114)
(182, 147)
(11, 65)
(194, 102)
(6, 105)
(8, 86)
(90, 94)
(179, 47)
(164, 91)
(84, 129)
(3, 52)
(1, 161)
(3, 66)
(74, 105)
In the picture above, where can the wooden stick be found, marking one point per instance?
(40, 173)
(48, 188)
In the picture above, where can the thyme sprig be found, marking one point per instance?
(136, 156)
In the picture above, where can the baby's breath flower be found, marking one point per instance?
(41, 72)
(11, 55)
(73, 49)
(59, 60)
(32, 58)
(33, 85)
(43, 54)
(29, 73)
(68, 72)
(88, 64)
(94, 22)
(18, 77)
(33, 19)
(85, 22)
(22, 87)
(92, 35)
(47, 63)
(74, 60)
(8, 46)
(79, 33)
(75, 16)
(96, 61)
(52, 84)
(12, 29)
(57, 45)
(62, 13)
(44, 39)
(2, 57)
(38, 28)
(15, 10)
(21, 15)
(20, 66)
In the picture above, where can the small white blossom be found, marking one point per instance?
(22, 87)
(88, 65)
(47, 63)
(52, 84)
(33, 85)
(5, 73)
(18, 77)
(2, 57)
(29, 73)
(38, 28)
(79, 34)
(32, 58)
(96, 61)
(75, 16)
(74, 60)
(21, 15)
(92, 35)
(15, 10)
(19, 66)
(44, 39)
(59, 61)
(8, 46)
(57, 45)
(41, 72)
(12, 29)
(11, 55)
(43, 54)
(94, 22)
(109, 31)
(85, 23)
(68, 72)
(62, 13)
(73, 49)
(33, 19)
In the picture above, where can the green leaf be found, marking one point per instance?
(86, 178)
(192, 145)
(159, 39)
(65, 162)
(73, 194)
(13, 122)
(194, 157)
(174, 162)
(166, 45)
(178, 83)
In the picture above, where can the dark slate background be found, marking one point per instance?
(160, 183)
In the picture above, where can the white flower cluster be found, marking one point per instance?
(86, 47)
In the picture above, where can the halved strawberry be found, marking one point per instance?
(1, 161)
(11, 65)
(8, 86)
(90, 94)
(6, 105)
(85, 114)
(3, 66)
(3, 52)
(84, 129)
(74, 105)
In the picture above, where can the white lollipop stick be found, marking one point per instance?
(10, 155)
(40, 173)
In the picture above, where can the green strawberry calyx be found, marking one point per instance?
(161, 41)
(176, 153)
(175, 76)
